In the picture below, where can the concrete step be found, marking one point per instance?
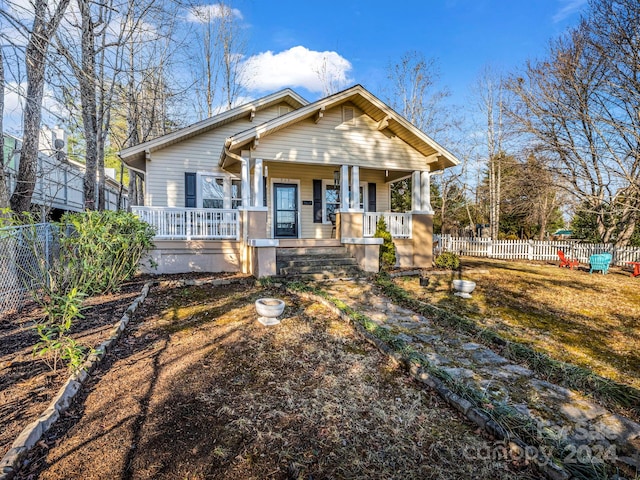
(309, 261)
(311, 251)
(341, 270)
(314, 277)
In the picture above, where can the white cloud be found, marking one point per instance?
(569, 7)
(296, 67)
(204, 13)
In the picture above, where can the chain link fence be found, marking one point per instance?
(25, 254)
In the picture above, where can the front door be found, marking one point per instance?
(285, 209)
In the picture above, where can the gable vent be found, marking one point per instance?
(348, 115)
(283, 109)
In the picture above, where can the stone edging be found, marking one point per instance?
(466, 408)
(33, 432)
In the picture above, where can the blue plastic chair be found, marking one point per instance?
(600, 261)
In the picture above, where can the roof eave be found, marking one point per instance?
(139, 150)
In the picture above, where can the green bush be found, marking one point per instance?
(448, 261)
(100, 250)
(54, 344)
(387, 249)
(97, 252)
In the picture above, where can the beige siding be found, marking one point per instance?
(165, 172)
(332, 142)
(305, 175)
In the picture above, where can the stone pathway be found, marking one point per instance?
(588, 431)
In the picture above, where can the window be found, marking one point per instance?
(332, 198)
(236, 193)
(331, 201)
(212, 191)
(218, 191)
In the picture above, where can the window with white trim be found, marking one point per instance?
(212, 191)
(236, 193)
(331, 198)
(218, 191)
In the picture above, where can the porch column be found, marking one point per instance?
(416, 205)
(425, 192)
(246, 191)
(258, 185)
(344, 188)
(226, 191)
(354, 201)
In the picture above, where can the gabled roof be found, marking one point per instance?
(438, 157)
(135, 156)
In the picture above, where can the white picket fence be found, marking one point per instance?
(543, 250)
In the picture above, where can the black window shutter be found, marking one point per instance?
(372, 197)
(317, 201)
(264, 191)
(189, 190)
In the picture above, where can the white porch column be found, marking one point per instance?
(344, 188)
(415, 192)
(258, 185)
(226, 191)
(354, 203)
(246, 174)
(425, 192)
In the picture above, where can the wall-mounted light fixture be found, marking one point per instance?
(336, 178)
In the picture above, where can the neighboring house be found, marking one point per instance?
(59, 180)
(228, 193)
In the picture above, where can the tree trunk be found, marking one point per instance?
(35, 60)
(87, 80)
(4, 187)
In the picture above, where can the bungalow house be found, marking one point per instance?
(280, 175)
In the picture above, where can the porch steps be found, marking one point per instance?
(319, 263)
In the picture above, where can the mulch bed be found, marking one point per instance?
(196, 388)
(27, 384)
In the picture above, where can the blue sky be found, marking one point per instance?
(356, 40)
(463, 35)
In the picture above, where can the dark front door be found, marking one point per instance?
(285, 209)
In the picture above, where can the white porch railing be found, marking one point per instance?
(398, 224)
(191, 223)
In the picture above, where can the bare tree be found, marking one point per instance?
(4, 187)
(490, 97)
(41, 30)
(580, 107)
(218, 79)
(331, 80)
(414, 93)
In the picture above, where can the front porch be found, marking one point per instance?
(276, 207)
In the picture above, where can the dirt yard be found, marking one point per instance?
(27, 385)
(197, 388)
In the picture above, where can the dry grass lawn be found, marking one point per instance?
(588, 320)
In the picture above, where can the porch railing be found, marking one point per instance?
(191, 223)
(398, 224)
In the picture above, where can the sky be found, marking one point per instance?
(354, 41)
(461, 35)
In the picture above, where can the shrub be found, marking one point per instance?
(97, 252)
(54, 344)
(448, 261)
(100, 250)
(387, 249)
